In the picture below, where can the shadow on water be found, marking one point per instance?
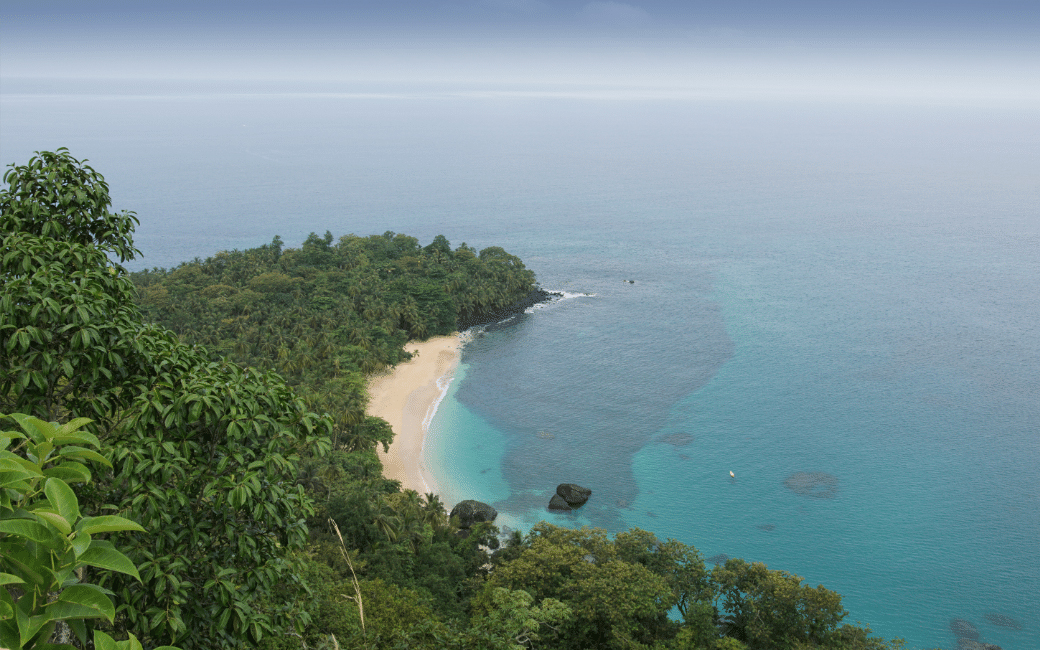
(582, 386)
(818, 485)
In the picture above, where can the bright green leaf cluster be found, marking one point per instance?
(207, 462)
(67, 329)
(45, 541)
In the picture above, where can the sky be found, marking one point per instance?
(986, 49)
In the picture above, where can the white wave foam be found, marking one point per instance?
(443, 384)
(557, 296)
(567, 295)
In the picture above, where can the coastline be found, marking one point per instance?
(407, 397)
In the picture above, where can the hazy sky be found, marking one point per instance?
(986, 48)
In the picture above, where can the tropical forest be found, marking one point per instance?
(186, 461)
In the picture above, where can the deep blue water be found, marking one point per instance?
(845, 290)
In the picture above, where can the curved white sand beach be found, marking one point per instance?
(407, 397)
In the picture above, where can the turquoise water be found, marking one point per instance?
(849, 291)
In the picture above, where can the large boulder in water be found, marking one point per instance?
(472, 512)
(574, 495)
(559, 504)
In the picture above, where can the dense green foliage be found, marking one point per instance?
(56, 197)
(265, 525)
(46, 543)
(205, 452)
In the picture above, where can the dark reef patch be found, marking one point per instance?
(963, 629)
(1002, 620)
(818, 485)
(718, 559)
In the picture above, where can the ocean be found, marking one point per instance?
(836, 302)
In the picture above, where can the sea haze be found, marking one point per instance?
(834, 300)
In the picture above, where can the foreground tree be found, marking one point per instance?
(614, 603)
(61, 198)
(207, 461)
(205, 451)
(69, 332)
(620, 591)
(46, 543)
(765, 608)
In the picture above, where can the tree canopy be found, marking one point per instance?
(204, 451)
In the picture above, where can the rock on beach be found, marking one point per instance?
(472, 512)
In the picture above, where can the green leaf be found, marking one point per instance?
(7, 436)
(21, 618)
(107, 524)
(69, 472)
(10, 462)
(9, 634)
(77, 438)
(54, 519)
(43, 451)
(36, 623)
(80, 629)
(8, 579)
(133, 644)
(14, 481)
(63, 498)
(81, 601)
(28, 529)
(72, 427)
(86, 454)
(29, 567)
(103, 642)
(105, 556)
(35, 428)
(80, 543)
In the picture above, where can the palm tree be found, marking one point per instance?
(388, 522)
(434, 512)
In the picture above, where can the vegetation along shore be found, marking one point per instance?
(204, 457)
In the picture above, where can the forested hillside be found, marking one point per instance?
(327, 314)
(185, 459)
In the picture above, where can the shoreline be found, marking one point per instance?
(407, 397)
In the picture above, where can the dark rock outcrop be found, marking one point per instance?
(488, 316)
(573, 494)
(472, 512)
(559, 504)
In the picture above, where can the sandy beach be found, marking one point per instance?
(407, 397)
